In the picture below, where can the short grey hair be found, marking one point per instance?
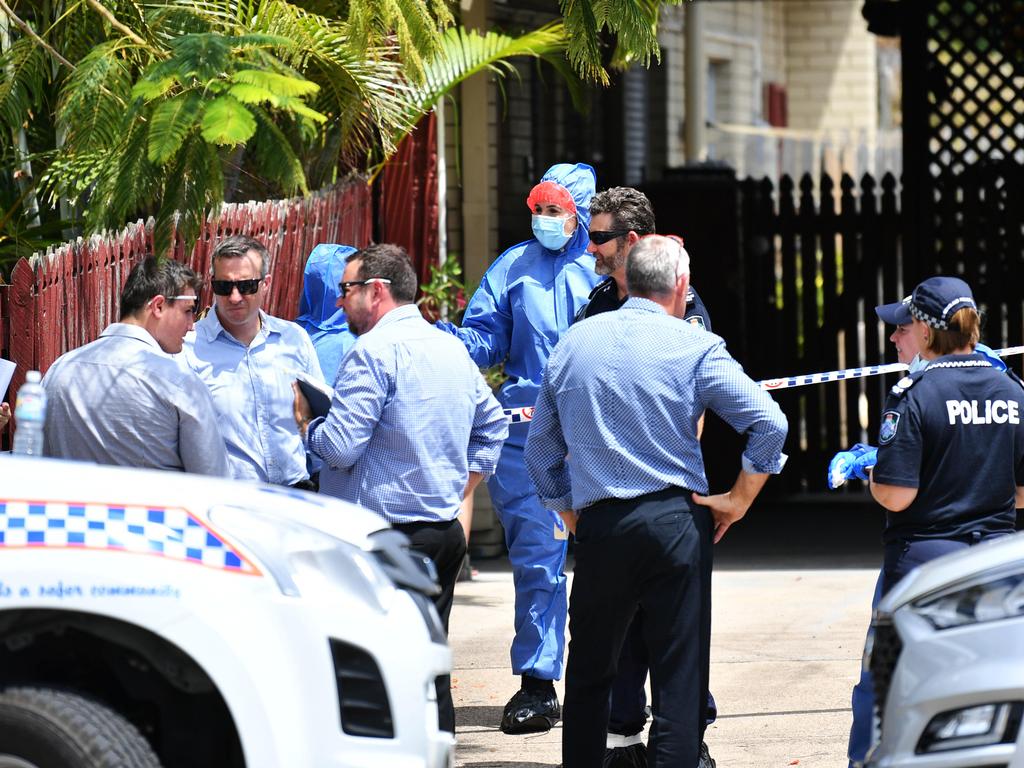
(237, 246)
(655, 264)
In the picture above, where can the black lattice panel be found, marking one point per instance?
(975, 83)
(974, 102)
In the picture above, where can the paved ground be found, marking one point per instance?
(791, 606)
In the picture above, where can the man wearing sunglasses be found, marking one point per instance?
(413, 426)
(124, 399)
(248, 359)
(619, 218)
(526, 301)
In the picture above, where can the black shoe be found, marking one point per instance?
(531, 712)
(633, 756)
(706, 761)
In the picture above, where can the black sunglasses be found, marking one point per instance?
(344, 286)
(245, 287)
(599, 237)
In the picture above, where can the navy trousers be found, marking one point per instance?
(445, 544)
(653, 552)
(629, 699)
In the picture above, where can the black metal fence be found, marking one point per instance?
(819, 259)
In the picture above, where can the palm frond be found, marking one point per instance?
(276, 83)
(94, 99)
(194, 187)
(274, 156)
(227, 122)
(637, 34)
(415, 24)
(171, 122)
(24, 79)
(133, 184)
(465, 52)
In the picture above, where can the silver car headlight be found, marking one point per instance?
(306, 561)
(991, 596)
(975, 726)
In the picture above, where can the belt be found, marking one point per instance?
(665, 493)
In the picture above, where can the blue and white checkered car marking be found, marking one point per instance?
(169, 532)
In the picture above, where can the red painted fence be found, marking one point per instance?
(63, 299)
(408, 214)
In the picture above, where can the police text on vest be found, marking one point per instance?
(987, 412)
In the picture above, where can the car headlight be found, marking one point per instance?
(975, 726)
(989, 597)
(306, 561)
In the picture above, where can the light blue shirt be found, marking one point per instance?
(123, 400)
(619, 404)
(410, 419)
(252, 393)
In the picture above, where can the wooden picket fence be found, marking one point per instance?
(64, 298)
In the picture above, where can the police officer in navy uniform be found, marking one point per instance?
(854, 463)
(950, 464)
(619, 217)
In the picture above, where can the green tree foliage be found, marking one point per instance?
(121, 108)
(632, 23)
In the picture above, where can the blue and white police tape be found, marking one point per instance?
(517, 415)
(855, 373)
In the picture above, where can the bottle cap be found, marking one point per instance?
(33, 377)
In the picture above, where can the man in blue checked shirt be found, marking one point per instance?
(248, 360)
(413, 426)
(613, 448)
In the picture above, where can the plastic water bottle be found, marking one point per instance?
(29, 416)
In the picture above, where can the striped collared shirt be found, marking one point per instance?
(411, 417)
(619, 405)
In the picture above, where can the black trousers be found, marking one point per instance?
(653, 552)
(628, 714)
(445, 544)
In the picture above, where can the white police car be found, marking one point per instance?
(154, 618)
(947, 657)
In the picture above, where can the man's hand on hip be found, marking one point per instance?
(727, 508)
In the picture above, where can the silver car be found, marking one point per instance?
(947, 656)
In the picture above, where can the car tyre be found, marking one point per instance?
(40, 728)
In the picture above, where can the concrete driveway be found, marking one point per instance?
(791, 606)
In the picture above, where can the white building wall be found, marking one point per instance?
(819, 50)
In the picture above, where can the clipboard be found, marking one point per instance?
(318, 395)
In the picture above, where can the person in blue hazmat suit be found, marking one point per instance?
(526, 302)
(319, 314)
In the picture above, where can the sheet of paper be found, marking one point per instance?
(6, 373)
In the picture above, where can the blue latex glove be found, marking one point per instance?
(444, 325)
(864, 462)
(996, 360)
(851, 463)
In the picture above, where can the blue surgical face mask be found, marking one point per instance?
(550, 232)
